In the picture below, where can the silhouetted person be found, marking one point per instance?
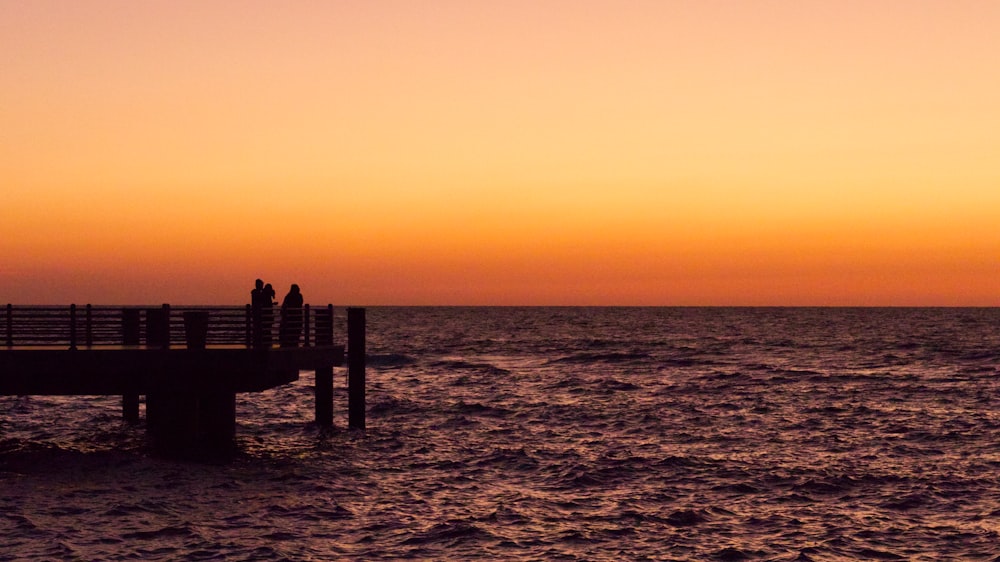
(257, 313)
(257, 294)
(291, 318)
(267, 313)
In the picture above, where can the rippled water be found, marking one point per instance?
(559, 433)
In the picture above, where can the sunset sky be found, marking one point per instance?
(504, 152)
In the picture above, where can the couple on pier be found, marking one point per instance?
(262, 304)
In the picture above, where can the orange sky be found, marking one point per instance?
(517, 152)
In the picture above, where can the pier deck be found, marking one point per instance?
(145, 370)
(189, 362)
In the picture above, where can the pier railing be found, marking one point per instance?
(80, 326)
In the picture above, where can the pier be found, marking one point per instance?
(188, 362)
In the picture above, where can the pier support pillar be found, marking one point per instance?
(130, 408)
(172, 420)
(324, 375)
(324, 396)
(356, 367)
(217, 420)
(192, 423)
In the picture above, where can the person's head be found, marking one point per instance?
(295, 288)
(259, 283)
(268, 287)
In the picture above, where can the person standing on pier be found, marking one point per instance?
(257, 312)
(257, 294)
(267, 315)
(291, 318)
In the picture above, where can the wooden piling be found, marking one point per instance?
(152, 417)
(324, 375)
(216, 420)
(172, 420)
(130, 408)
(356, 367)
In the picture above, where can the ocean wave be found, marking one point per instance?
(509, 459)
(459, 365)
(733, 554)
(389, 360)
(479, 409)
(449, 534)
(617, 385)
(677, 461)
(680, 362)
(906, 503)
(169, 531)
(391, 405)
(587, 358)
(876, 554)
(687, 518)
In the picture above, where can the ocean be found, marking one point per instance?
(558, 434)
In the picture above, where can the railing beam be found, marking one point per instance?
(83, 326)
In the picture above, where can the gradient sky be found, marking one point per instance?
(516, 152)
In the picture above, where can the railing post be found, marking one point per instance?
(305, 326)
(158, 327)
(249, 327)
(130, 326)
(90, 327)
(258, 320)
(72, 326)
(356, 367)
(10, 325)
(166, 325)
(196, 328)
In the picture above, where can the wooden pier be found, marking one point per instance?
(188, 362)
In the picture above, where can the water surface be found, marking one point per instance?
(559, 433)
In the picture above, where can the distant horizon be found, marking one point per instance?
(363, 305)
